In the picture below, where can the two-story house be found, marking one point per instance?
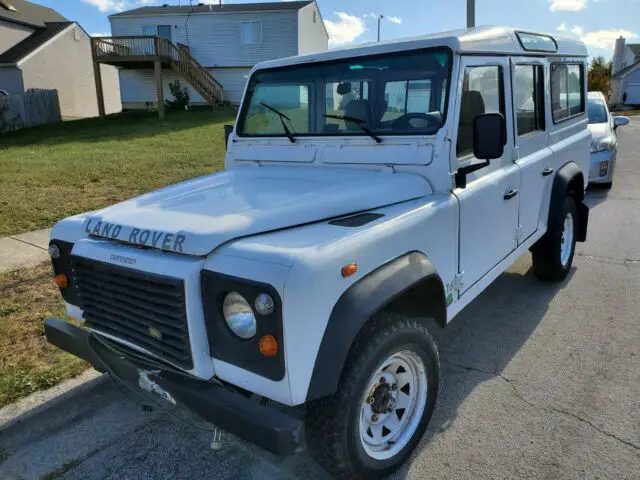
(41, 49)
(225, 40)
(625, 74)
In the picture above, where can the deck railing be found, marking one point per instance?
(152, 48)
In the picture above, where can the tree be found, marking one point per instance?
(600, 75)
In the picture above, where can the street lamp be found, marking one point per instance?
(379, 20)
(471, 13)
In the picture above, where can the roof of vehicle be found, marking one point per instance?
(490, 40)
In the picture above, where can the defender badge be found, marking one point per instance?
(155, 333)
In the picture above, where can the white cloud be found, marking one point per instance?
(577, 30)
(562, 27)
(107, 5)
(396, 20)
(567, 5)
(346, 30)
(605, 38)
(101, 34)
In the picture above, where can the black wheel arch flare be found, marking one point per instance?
(385, 286)
(569, 181)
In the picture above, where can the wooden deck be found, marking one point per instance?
(152, 52)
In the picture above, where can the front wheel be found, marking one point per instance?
(553, 253)
(384, 401)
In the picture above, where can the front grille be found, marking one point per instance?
(147, 310)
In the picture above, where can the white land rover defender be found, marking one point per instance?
(370, 194)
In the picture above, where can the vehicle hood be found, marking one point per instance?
(196, 216)
(599, 130)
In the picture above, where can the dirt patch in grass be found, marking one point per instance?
(54, 171)
(27, 362)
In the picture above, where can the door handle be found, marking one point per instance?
(510, 194)
(547, 171)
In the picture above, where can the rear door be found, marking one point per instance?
(532, 154)
(489, 203)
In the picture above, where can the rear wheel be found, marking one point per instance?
(553, 254)
(384, 401)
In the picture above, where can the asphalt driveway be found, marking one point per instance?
(539, 381)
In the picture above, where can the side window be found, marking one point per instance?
(567, 92)
(528, 98)
(482, 92)
(251, 33)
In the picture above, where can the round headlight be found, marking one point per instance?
(239, 316)
(264, 304)
(54, 251)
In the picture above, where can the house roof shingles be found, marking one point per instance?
(33, 41)
(27, 13)
(224, 8)
(635, 48)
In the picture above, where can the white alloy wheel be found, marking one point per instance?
(566, 244)
(392, 405)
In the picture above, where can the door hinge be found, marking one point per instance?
(519, 233)
(516, 154)
(457, 281)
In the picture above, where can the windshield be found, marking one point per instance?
(597, 111)
(392, 94)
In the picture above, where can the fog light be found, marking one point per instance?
(264, 304)
(54, 251)
(61, 280)
(604, 168)
(269, 346)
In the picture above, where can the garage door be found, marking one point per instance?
(633, 94)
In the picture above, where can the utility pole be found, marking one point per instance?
(471, 13)
(379, 21)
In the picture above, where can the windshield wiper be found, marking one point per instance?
(287, 131)
(359, 122)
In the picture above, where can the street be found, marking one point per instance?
(538, 381)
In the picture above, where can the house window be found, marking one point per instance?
(314, 16)
(76, 34)
(251, 33)
(149, 30)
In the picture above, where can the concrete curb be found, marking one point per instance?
(24, 250)
(39, 402)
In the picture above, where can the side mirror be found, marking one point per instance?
(228, 129)
(488, 136)
(620, 121)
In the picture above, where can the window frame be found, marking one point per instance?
(541, 103)
(583, 95)
(502, 102)
(250, 22)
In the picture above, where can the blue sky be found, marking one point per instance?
(597, 22)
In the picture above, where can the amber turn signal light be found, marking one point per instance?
(61, 280)
(268, 346)
(349, 270)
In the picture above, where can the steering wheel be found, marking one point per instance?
(404, 122)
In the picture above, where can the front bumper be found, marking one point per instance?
(271, 429)
(597, 158)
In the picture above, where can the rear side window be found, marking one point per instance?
(528, 98)
(567, 91)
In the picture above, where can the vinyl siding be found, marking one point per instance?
(12, 33)
(632, 78)
(11, 80)
(312, 37)
(138, 86)
(214, 38)
(66, 66)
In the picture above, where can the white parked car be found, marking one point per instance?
(370, 194)
(604, 141)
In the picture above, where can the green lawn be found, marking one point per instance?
(50, 172)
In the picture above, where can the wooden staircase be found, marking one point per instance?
(145, 52)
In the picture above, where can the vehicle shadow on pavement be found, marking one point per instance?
(479, 343)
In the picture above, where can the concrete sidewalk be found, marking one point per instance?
(24, 250)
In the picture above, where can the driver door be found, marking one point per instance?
(489, 203)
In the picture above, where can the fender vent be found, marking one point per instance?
(356, 220)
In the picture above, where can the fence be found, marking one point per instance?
(35, 107)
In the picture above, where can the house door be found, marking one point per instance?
(164, 31)
(489, 203)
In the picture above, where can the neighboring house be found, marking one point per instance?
(40, 49)
(227, 40)
(625, 74)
